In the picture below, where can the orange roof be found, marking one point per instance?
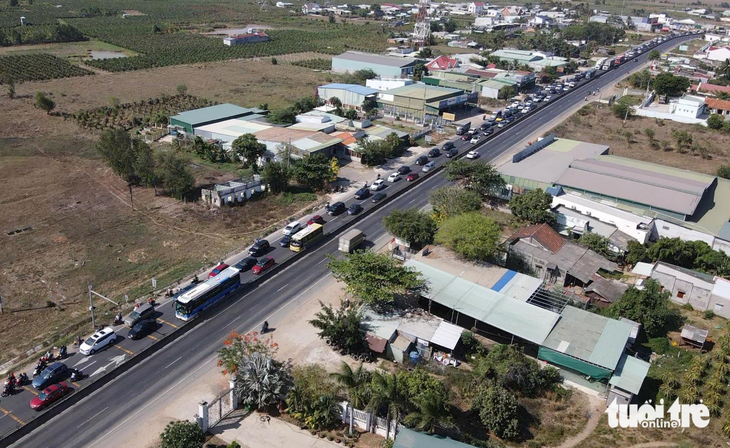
(543, 234)
(710, 88)
(714, 103)
(347, 138)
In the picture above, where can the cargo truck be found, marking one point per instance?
(351, 240)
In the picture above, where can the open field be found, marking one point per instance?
(70, 50)
(82, 227)
(599, 125)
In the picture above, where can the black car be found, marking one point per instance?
(405, 169)
(142, 329)
(51, 375)
(362, 193)
(485, 126)
(489, 131)
(422, 160)
(452, 152)
(447, 146)
(379, 197)
(284, 242)
(434, 152)
(259, 248)
(354, 209)
(246, 264)
(336, 208)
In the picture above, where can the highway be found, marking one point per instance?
(98, 417)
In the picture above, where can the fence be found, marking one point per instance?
(367, 421)
(210, 414)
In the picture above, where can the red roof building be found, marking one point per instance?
(542, 235)
(442, 63)
(718, 106)
(710, 89)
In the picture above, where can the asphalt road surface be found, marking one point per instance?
(96, 418)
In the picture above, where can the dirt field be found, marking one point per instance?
(82, 228)
(598, 125)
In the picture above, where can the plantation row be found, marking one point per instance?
(40, 34)
(139, 113)
(38, 67)
(316, 63)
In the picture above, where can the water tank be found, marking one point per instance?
(414, 357)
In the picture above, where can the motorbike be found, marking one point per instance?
(23, 379)
(39, 368)
(62, 352)
(8, 390)
(76, 375)
(264, 327)
(118, 319)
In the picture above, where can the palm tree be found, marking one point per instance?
(354, 382)
(725, 69)
(389, 393)
(432, 412)
(262, 381)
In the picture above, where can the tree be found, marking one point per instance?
(621, 109)
(369, 104)
(43, 102)
(354, 383)
(262, 381)
(598, 244)
(174, 172)
(10, 84)
(480, 177)
(237, 347)
(649, 306)
(341, 327)
(724, 171)
(471, 235)
(419, 71)
(249, 150)
(388, 393)
(335, 102)
(313, 171)
(498, 410)
(376, 278)
(13, 3)
(451, 200)
(450, 25)
(117, 150)
(670, 85)
(411, 225)
(182, 434)
(274, 61)
(715, 121)
(635, 253)
(144, 164)
(432, 411)
(683, 138)
(285, 115)
(654, 55)
(533, 206)
(277, 175)
(182, 89)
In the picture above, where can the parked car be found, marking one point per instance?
(354, 209)
(475, 140)
(218, 269)
(472, 155)
(428, 167)
(285, 241)
(142, 329)
(412, 176)
(452, 152)
(259, 248)
(362, 193)
(447, 146)
(316, 219)
(98, 341)
(263, 265)
(50, 375)
(377, 197)
(377, 185)
(395, 177)
(49, 395)
(465, 137)
(246, 264)
(336, 208)
(292, 228)
(422, 160)
(489, 131)
(405, 169)
(139, 314)
(434, 152)
(485, 126)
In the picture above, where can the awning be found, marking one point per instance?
(375, 343)
(447, 335)
(630, 374)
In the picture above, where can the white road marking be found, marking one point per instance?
(178, 359)
(279, 290)
(323, 260)
(412, 201)
(86, 367)
(92, 417)
(83, 360)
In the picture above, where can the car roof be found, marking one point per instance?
(102, 332)
(294, 223)
(56, 365)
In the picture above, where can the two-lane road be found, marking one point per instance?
(100, 418)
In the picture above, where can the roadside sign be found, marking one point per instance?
(154, 283)
(448, 116)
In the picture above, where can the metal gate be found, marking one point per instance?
(219, 408)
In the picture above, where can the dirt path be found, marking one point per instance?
(594, 411)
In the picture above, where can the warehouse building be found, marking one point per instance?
(392, 66)
(192, 119)
(422, 102)
(251, 37)
(533, 59)
(350, 95)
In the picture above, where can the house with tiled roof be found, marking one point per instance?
(709, 89)
(442, 62)
(720, 54)
(718, 106)
(475, 8)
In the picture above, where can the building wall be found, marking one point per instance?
(684, 291)
(720, 306)
(388, 83)
(626, 226)
(348, 98)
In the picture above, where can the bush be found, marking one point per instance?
(182, 434)
(471, 235)
(709, 314)
(724, 171)
(715, 121)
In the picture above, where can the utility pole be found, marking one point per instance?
(93, 293)
(2, 310)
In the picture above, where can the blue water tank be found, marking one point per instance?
(414, 357)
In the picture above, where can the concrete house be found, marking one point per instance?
(248, 38)
(311, 8)
(476, 8)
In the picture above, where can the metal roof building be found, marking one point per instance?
(393, 66)
(192, 119)
(408, 438)
(350, 95)
(416, 101)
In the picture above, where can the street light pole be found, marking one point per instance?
(91, 307)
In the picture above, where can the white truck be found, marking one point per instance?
(351, 240)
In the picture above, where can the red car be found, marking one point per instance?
(49, 395)
(218, 269)
(412, 176)
(263, 265)
(466, 137)
(316, 219)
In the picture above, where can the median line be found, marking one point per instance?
(9, 414)
(152, 337)
(30, 390)
(167, 323)
(124, 350)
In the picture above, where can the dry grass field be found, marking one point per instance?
(82, 229)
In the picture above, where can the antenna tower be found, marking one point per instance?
(422, 31)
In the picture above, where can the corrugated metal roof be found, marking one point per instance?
(354, 88)
(212, 113)
(375, 59)
(408, 438)
(447, 335)
(630, 374)
(642, 268)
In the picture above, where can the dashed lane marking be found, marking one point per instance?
(167, 323)
(152, 337)
(124, 350)
(6, 412)
(30, 390)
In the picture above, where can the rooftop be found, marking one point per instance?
(420, 91)
(354, 88)
(408, 438)
(234, 127)
(376, 59)
(519, 55)
(714, 103)
(214, 113)
(630, 374)
(543, 234)
(575, 199)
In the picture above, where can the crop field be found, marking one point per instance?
(316, 64)
(38, 67)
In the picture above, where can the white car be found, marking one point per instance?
(98, 341)
(547, 98)
(472, 155)
(377, 185)
(292, 228)
(395, 177)
(428, 167)
(475, 140)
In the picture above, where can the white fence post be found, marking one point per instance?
(234, 397)
(203, 415)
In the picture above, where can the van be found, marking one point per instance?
(463, 128)
(144, 312)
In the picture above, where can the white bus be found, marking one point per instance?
(207, 293)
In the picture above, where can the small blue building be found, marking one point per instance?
(388, 66)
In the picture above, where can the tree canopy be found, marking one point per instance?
(277, 175)
(314, 171)
(411, 225)
(533, 206)
(249, 150)
(471, 235)
(480, 177)
(182, 434)
(341, 327)
(174, 172)
(649, 306)
(670, 85)
(44, 103)
(376, 278)
(498, 410)
(451, 200)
